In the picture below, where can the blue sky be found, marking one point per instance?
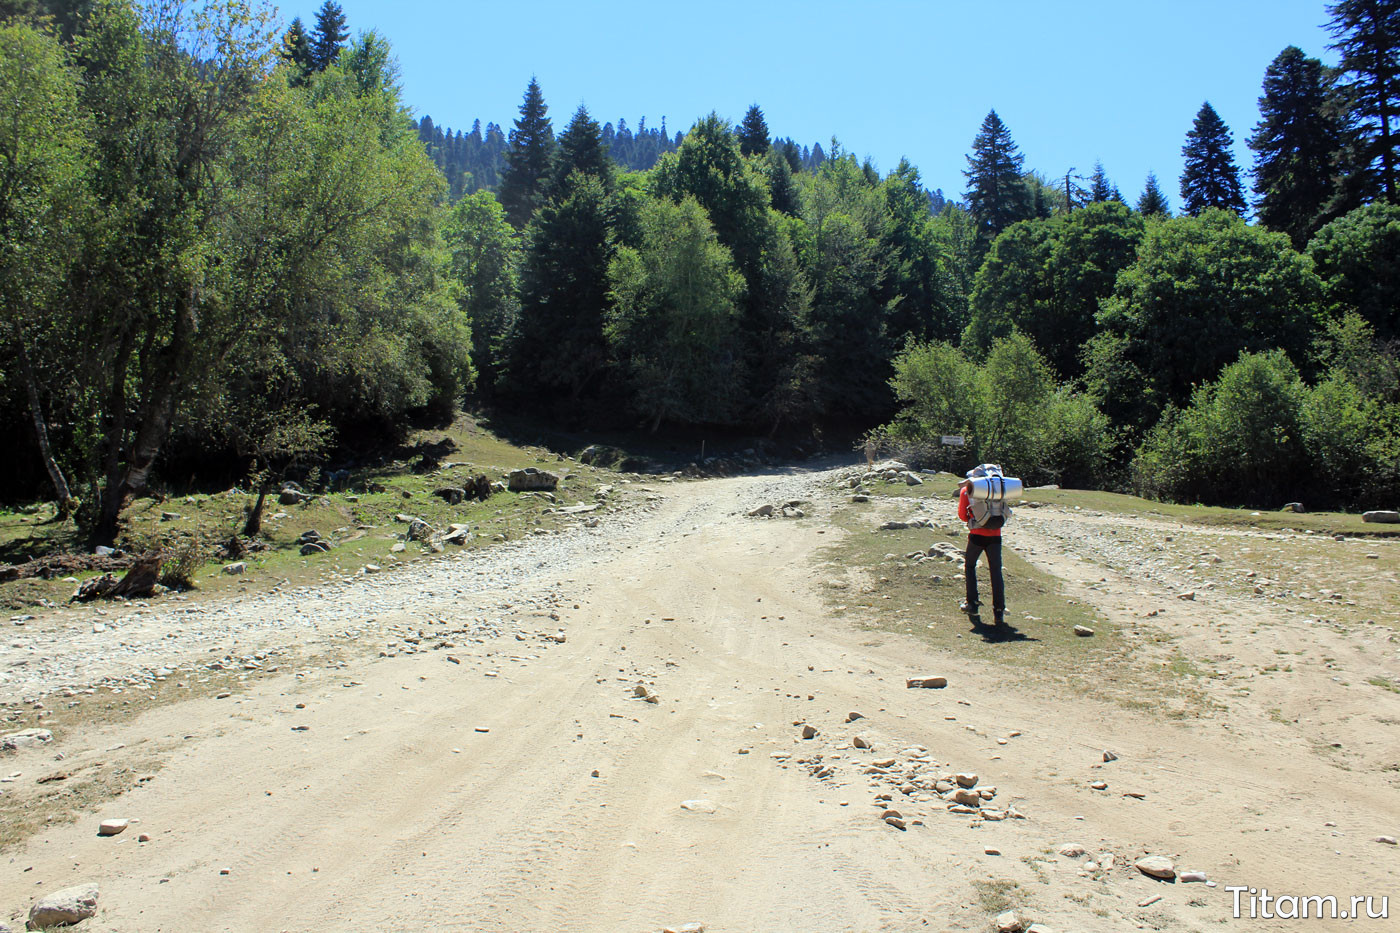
(1118, 81)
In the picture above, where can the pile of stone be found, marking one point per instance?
(311, 543)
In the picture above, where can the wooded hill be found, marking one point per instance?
(231, 250)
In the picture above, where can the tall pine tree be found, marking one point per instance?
(329, 36)
(1100, 188)
(296, 49)
(1211, 178)
(1296, 146)
(997, 194)
(1368, 38)
(1153, 202)
(580, 149)
(528, 159)
(753, 132)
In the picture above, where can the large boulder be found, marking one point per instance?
(452, 495)
(29, 738)
(63, 908)
(1384, 517)
(530, 479)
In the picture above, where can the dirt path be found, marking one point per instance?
(526, 787)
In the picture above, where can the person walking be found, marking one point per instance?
(979, 541)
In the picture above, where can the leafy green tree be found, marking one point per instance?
(673, 322)
(1210, 178)
(997, 194)
(485, 265)
(1358, 259)
(528, 160)
(43, 174)
(1367, 34)
(1349, 349)
(1297, 145)
(918, 284)
(1046, 278)
(329, 36)
(1200, 292)
(1153, 202)
(753, 133)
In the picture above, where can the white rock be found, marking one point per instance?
(29, 738)
(1156, 866)
(1192, 877)
(69, 906)
(1072, 850)
(236, 568)
(1009, 922)
(112, 827)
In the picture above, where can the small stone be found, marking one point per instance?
(1009, 922)
(891, 814)
(762, 511)
(966, 779)
(931, 683)
(225, 871)
(699, 806)
(852, 717)
(810, 732)
(1099, 785)
(1072, 850)
(29, 738)
(1192, 877)
(1386, 840)
(968, 798)
(989, 850)
(112, 827)
(1038, 928)
(897, 823)
(235, 568)
(1149, 901)
(144, 837)
(860, 742)
(64, 908)
(1156, 866)
(692, 927)
(1083, 631)
(1189, 595)
(1109, 756)
(372, 568)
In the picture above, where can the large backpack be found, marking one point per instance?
(987, 514)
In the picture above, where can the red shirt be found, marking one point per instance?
(964, 516)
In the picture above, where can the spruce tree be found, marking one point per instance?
(1210, 178)
(1296, 144)
(580, 150)
(1368, 38)
(296, 50)
(1100, 188)
(753, 133)
(329, 36)
(1153, 202)
(997, 194)
(528, 158)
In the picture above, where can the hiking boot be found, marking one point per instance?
(999, 618)
(971, 610)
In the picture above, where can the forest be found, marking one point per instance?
(229, 248)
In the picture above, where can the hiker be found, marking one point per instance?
(984, 521)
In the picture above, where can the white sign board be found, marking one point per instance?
(954, 440)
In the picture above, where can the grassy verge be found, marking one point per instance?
(362, 523)
(874, 582)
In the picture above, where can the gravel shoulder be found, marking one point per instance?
(518, 781)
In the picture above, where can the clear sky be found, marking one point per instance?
(1116, 80)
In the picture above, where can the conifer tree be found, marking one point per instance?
(580, 149)
(753, 133)
(528, 159)
(329, 36)
(997, 194)
(1100, 188)
(1368, 38)
(1210, 178)
(296, 49)
(1296, 146)
(1153, 202)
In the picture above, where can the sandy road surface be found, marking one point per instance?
(424, 794)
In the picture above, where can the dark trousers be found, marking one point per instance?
(976, 545)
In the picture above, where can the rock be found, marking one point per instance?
(531, 479)
(883, 762)
(853, 716)
(860, 497)
(144, 837)
(894, 526)
(457, 534)
(170, 516)
(1192, 877)
(236, 568)
(452, 495)
(932, 683)
(966, 797)
(1386, 840)
(372, 568)
(692, 927)
(1156, 866)
(1099, 785)
(64, 908)
(912, 479)
(1038, 928)
(1293, 507)
(29, 738)
(966, 779)
(112, 827)
(896, 822)
(1383, 517)
(699, 806)
(1009, 922)
(810, 732)
(1083, 631)
(860, 741)
(1109, 756)
(314, 547)
(1190, 595)
(762, 511)
(1150, 900)
(645, 693)
(1072, 850)
(291, 497)
(891, 814)
(419, 530)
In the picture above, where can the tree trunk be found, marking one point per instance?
(253, 527)
(41, 432)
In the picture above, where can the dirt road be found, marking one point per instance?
(517, 782)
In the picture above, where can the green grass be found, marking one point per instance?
(361, 523)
